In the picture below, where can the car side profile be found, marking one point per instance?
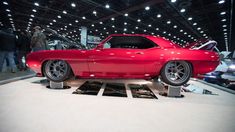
(126, 56)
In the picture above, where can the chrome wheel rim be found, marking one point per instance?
(56, 69)
(177, 71)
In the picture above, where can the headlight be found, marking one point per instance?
(232, 66)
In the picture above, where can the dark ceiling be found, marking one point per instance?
(201, 19)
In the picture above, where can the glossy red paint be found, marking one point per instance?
(124, 62)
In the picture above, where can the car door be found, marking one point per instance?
(116, 62)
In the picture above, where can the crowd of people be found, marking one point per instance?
(14, 47)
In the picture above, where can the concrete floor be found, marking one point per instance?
(27, 106)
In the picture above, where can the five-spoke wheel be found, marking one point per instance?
(176, 73)
(57, 70)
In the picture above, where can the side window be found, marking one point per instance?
(130, 42)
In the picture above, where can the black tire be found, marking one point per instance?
(57, 70)
(176, 73)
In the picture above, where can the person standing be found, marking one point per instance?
(38, 40)
(7, 49)
(24, 48)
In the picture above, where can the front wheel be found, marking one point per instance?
(57, 70)
(176, 73)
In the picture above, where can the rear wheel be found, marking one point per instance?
(57, 70)
(176, 73)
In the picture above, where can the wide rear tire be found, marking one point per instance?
(57, 70)
(176, 73)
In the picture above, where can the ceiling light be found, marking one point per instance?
(32, 15)
(124, 29)
(185, 33)
(126, 14)
(224, 25)
(159, 15)
(104, 28)
(181, 30)
(138, 20)
(157, 29)
(8, 10)
(5, 3)
(115, 31)
(223, 20)
(182, 10)
(202, 32)
(70, 24)
(30, 19)
(194, 24)
(107, 6)
(101, 22)
(76, 21)
(51, 23)
(83, 17)
(149, 25)
(34, 10)
(223, 13)
(225, 30)
(54, 20)
(112, 19)
(190, 18)
(10, 19)
(164, 32)
(175, 26)
(94, 12)
(9, 15)
(59, 16)
(113, 26)
(168, 22)
(36, 4)
(65, 12)
(147, 8)
(199, 28)
(221, 1)
(125, 23)
(73, 4)
(145, 30)
(136, 27)
(173, 1)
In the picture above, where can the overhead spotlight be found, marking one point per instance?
(73, 4)
(70, 24)
(199, 28)
(136, 27)
(34, 10)
(51, 23)
(182, 10)
(202, 32)
(221, 1)
(5, 3)
(225, 30)
(224, 25)
(173, 1)
(147, 8)
(181, 30)
(32, 15)
(157, 29)
(149, 25)
(113, 26)
(194, 24)
(101, 22)
(168, 22)
(112, 19)
(65, 12)
(190, 18)
(159, 15)
(54, 20)
(36, 4)
(145, 30)
(76, 21)
(124, 29)
(107, 6)
(125, 23)
(223, 20)
(9, 15)
(115, 31)
(104, 28)
(164, 32)
(59, 16)
(30, 19)
(8, 10)
(223, 13)
(126, 14)
(94, 12)
(84, 17)
(138, 20)
(175, 26)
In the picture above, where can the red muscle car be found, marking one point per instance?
(127, 56)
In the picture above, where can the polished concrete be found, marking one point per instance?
(27, 106)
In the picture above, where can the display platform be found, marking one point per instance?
(27, 105)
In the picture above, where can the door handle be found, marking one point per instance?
(139, 53)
